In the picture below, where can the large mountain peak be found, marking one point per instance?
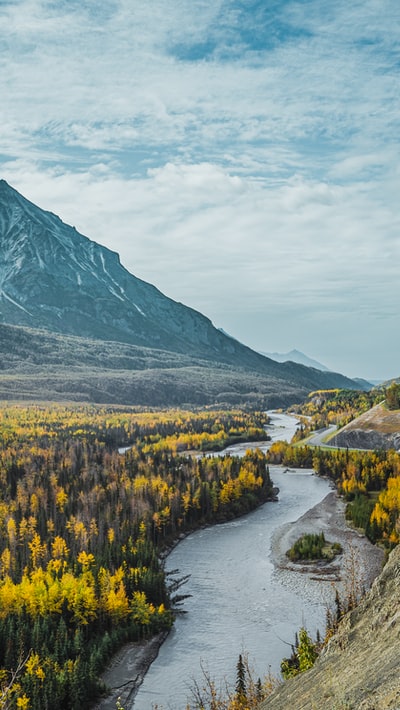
(32, 236)
(47, 269)
(53, 277)
(56, 279)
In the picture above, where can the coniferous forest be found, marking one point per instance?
(82, 525)
(91, 496)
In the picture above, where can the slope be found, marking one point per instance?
(378, 428)
(54, 279)
(39, 365)
(359, 668)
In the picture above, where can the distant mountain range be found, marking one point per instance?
(297, 356)
(76, 324)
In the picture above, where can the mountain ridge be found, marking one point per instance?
(37, 364)
(297, 356)
(55, 280)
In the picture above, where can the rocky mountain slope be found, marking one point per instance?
(51, 276)
(379, 428)
(359, 668)
(38, 365)
(55, 280)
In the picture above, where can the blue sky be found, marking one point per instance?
(241, 156)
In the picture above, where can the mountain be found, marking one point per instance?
(366, 385)
(56, 282)
(51, 276)
(296, 356)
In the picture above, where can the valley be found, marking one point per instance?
(199, 370)
(113, 397)
(91, 523)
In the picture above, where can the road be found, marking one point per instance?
(319, 436)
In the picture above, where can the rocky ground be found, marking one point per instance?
(360, 667)
(360, 562)
(379, 428)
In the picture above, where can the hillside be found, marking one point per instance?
(359, 668)
(379, 428)
(38, 365)
(55, 282)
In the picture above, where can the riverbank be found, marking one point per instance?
(358, 668)
(130, 665)
(360, 559)
(126, 671)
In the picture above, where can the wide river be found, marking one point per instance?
(239, 602)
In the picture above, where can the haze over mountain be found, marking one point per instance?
(297, 356)
(58, 281)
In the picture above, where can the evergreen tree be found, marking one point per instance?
(241, 690)
(307, 652)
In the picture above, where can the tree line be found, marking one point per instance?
(323, 408)
(368, 480)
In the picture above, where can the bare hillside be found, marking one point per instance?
(379, 428)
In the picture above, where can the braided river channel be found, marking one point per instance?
(240, 602)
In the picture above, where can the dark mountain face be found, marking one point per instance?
(53, 278)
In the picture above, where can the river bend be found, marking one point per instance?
(239, 602)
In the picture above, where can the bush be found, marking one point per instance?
(313, 546)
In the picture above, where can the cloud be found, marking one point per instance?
(242, 157)
(77, 67)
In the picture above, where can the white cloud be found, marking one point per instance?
(247, 170)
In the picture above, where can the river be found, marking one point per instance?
(240, 603)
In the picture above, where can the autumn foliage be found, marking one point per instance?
(369, 480)
(82, 523)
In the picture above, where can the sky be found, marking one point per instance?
(240, 155)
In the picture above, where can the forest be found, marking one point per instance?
(334, 406)
(89, 498)
(368, 480)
